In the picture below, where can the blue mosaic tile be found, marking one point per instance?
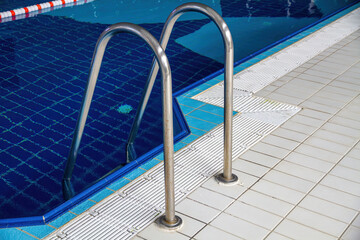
(190, 102)
(38, 231)
(134, 174)
(189, 139)
(14, 234)
(197, 132)
(63, 219)
(178, 146)
(82, 207)
(186, 110)
(213, 109)
(214, 81)
(150, 164)
(200, 124)
(209, 117)
(160, 156)
(101, 195)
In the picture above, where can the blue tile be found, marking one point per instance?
(189, 139)
(82, 207)
(178, 146)
(150, 164)
(192, 92)
(197, 132)
(39, 231)
(214, 81)
(203, 87)
(160, 156)
(134, 173)
(190, 102)
(186, 109)
(60, 221)
(118, 184)
(101, 195)
(14, 234)
(213, 109)
(199, 124)
(209, 117)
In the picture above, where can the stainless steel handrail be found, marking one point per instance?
(170, 219)
(227, 177)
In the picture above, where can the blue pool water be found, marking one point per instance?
(44, 63)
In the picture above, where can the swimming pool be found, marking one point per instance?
(44, 64)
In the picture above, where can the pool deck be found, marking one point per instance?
(303, 179)
(300, 180)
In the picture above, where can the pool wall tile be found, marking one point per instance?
(186, 109)
(14, 234)
(200, 124)
(197, 132)
(150, 164)
(65, 218)
(189, 139)
(39, 231)
(82, 207)
(134, 173)
(101, 195)
(190, 102)
(207, 116)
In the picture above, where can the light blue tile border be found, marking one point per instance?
(189, 105)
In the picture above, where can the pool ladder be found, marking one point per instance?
(169, 220)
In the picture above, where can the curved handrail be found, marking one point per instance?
(161, 58)
(227, 175)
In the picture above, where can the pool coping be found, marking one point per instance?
(183, 97)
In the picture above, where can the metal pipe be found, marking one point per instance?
(226, 177)
(170, 219)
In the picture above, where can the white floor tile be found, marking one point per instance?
(289, 134)
(301, 232)
(281, 142)
(276, 236)
(328, 209)
(319, 153)
(211, 198)
(271, 150)
(355, 153)
(299, 171)
(335, 137)
(299, 127)
(213, 233)
(153, 232)
(327, 145)
(356, 222)
(231, 191)
(289, 181)
(279, 192)
(341, 130)
(336, 196)
(239, 227)
(347, 173)
(350, 162)
(260, 158)
(316, 114)
(254, 215)
(249, 167)
(309, 162)
(190, 226)
(197, 210)
(266, 203)
(307, 120)
(341, 184)
(352, 233)
(345, 122)
(317, 221)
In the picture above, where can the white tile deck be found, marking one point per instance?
(302, 181)
(308, 170)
